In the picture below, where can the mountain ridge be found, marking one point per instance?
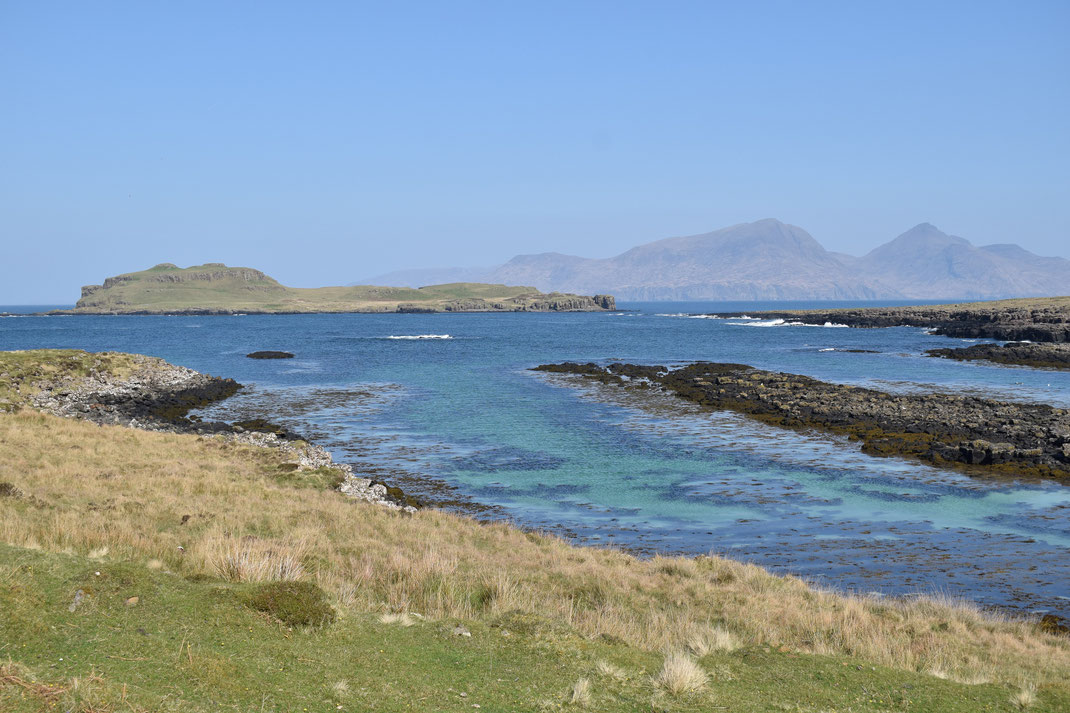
(771, 260)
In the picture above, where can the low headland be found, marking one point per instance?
(1038, 356)
(150, 562)
(1042, 321)
(214, 288)
(989, 436)
(1036, 319)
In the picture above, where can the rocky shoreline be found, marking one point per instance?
(158, 396)
(1035, 320)
(1042, 356)
(981, 435)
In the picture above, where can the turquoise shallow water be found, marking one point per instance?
(654, 475)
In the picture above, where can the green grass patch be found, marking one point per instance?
(292, 603)
(139, 639)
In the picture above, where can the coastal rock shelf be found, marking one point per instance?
(1044, 356)
(1031, 440)
(1032, 319)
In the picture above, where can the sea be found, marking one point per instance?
(447, 407)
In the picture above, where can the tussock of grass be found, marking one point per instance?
(581, 693)
(89, 487)
(680, 674)
(399, 619)
(1025, 697)
(716, 639)
(605, 668)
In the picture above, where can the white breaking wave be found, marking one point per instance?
(784, 323)
(419, 336)
(762, 323)
(827, 349)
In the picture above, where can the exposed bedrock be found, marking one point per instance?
(157, 396)
(1009, 438)
(1049, 321)
(1049, 356)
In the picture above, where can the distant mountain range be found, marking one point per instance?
(770, 260)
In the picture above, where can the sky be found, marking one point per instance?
(325, 142)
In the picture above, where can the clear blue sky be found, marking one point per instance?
(324, 142)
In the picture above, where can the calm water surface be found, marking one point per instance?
(654, 475)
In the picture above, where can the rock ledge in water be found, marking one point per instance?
(270, 355)
(1000, 437)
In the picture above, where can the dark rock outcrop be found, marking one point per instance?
(1050, 356)
(942, 429)
(269, 355)
(158, 396)
(1040, 320)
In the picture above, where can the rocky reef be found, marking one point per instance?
(1045, 356)
(983, 435)
(158, 396)
(1036, 320)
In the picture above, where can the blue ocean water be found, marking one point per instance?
(450, 399)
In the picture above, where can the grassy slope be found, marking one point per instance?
(76, 499)
(141, 292)
(192, 645)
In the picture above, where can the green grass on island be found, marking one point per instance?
(214, 287)
(145, 571)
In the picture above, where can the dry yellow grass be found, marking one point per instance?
(581, 693)
(680, 674)
(85, 488)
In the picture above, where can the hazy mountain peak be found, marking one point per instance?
(926, 234)
(768, 259)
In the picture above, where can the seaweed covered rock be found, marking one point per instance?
(999, 436)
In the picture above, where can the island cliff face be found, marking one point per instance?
(214, 288)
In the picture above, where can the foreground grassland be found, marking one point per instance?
(215, 287)
(177, 544)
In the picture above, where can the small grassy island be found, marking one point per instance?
(184, 566)
(214, 288)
